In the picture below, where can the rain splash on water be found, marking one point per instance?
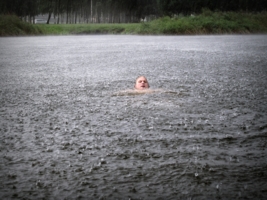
(68, 132)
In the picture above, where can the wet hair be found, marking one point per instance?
(140, 77)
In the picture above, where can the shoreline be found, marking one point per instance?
(216, 23)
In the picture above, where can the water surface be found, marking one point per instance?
(66, 131)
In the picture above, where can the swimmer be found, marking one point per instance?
(141, 87)
(141, 83)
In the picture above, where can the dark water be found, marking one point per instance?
(67, 134)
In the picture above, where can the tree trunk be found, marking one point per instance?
(91, 11)
(75, 17)
(49, 16)
(58, 10)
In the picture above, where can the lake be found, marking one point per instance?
(67, 131)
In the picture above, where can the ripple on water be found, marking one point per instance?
(69, 130)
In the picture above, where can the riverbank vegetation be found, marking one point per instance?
(62, 17)
(11, 25)
(119, 11)
(207, 22)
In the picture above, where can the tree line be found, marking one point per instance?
(120, 11)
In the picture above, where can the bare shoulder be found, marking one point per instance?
(137, 92)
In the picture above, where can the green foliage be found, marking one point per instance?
(206, 12)
(117, 11)
(11, 25)
(78, 29)
(211, 23)
(205, 23)
(144, 29)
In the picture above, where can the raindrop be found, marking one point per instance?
(115, 189)
(102, 161)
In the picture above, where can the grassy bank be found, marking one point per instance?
(65, 29)
(209, 23)
(11, 25)
(206, 23)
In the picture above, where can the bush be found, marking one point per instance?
(207, 22)
(11, 25)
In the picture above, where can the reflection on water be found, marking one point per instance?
(68, 130)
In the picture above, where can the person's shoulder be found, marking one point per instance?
(136, 92)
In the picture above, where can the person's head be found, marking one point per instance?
(141, 83)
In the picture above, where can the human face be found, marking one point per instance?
(141, 83)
